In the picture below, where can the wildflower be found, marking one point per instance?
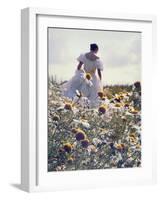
(85, 124)
(88, 76)
(138, 146)
(67, 147)
(126, 105)
(100, 94)
(103, 98)
(74, 130)
(132, 135)
(118, 105)
(70, 160)
(92, 149)
(120, 146)
(102, 109)
(122, 95)
(56, 118)
(132, 140)
(85, 143)
(133, 110)
(117, 98)
(80, 135)
(68, 106)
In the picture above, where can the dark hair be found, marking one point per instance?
(93, 47)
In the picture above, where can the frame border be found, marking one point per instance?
(29, 174)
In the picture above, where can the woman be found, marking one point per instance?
(86, 80)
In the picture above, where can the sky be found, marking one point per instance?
(119, 51)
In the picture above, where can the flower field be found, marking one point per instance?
(104, 135)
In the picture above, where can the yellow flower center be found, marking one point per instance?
(68, 106)
(102, 109)
(100, 94)
(88, 76)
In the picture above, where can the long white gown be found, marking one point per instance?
(89, 88)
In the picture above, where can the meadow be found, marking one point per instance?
(107, 135)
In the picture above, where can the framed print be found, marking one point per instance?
(87, 117)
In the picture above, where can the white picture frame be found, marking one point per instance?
(34, 21)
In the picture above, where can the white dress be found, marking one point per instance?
(89, 88)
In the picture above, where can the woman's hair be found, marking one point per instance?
(93, 47)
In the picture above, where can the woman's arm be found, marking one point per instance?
(79, 65)
(99, 74)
